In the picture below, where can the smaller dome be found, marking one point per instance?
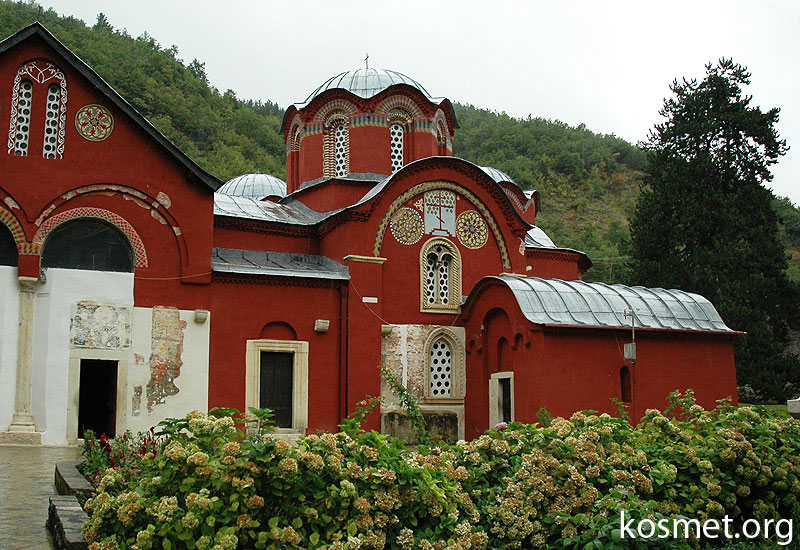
(254, 186)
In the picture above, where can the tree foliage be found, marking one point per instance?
(705, 223)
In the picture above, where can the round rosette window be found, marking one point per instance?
(471, 229)
(94, 122)
(407, 226)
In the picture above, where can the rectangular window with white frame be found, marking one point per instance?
(501, 398)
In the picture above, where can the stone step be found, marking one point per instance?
(65, 519)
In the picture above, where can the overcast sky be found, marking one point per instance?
(607, 64)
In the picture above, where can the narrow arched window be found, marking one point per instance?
(8, 248)
(440, 276)
(87, 244)
(625, 384)
(340, 149)
(49, 147)
(440, 365)
(336, 147)
(396, 135)
(23, 118)
(46, 83)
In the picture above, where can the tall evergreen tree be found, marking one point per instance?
(703, 222)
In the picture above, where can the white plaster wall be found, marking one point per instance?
(51, 342)
(9, 321)
(56, 359)
(192, 382)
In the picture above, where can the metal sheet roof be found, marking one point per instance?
(579, 303)
(254, 186)
(366, 83)
(244, 207)
(537, 238)
(258, 262)
(497, 175)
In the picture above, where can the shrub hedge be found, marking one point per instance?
(558, 483)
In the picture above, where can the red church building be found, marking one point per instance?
(134, 286)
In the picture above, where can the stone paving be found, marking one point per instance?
(26, 480)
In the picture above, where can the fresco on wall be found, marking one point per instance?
(165, 355)
(100, 326)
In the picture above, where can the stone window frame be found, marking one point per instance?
(332, 122)
(454, 307)
(299, 380)
(458, 383)
(495, 414)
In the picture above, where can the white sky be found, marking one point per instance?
(606, 64)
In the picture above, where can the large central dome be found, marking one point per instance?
(365, 83)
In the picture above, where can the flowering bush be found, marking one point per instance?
(120, 453)
(560, 483)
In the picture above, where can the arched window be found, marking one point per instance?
(441, 138)
(396, 143)
(336, 146)
(51, 121)
(444, 373)
(8, 248)
(440, 366)
(23, 120)
(625, 384)
(440, 277)
(52, 84)
(87, 244)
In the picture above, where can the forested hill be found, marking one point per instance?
(588, 182)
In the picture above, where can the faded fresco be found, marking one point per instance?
(165, 355)
(100, 326)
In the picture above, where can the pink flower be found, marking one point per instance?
(500, 425)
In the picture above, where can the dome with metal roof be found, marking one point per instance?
(366, 83)
(254, 186)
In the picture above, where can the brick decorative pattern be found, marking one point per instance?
(400, 102)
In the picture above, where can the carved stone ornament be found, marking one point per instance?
(94, 122)
(407, 226)
(471, 229)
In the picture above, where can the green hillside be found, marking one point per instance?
(588, 182)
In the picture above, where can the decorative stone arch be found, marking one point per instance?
(440, 127)
(457, 370)
(332, 106)
(39, 71)
(295, 134)
(336, 144)
(401, 103)
(158, 207)
(432, 278)
(8, 219)
(430, 186)
(137, 246)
